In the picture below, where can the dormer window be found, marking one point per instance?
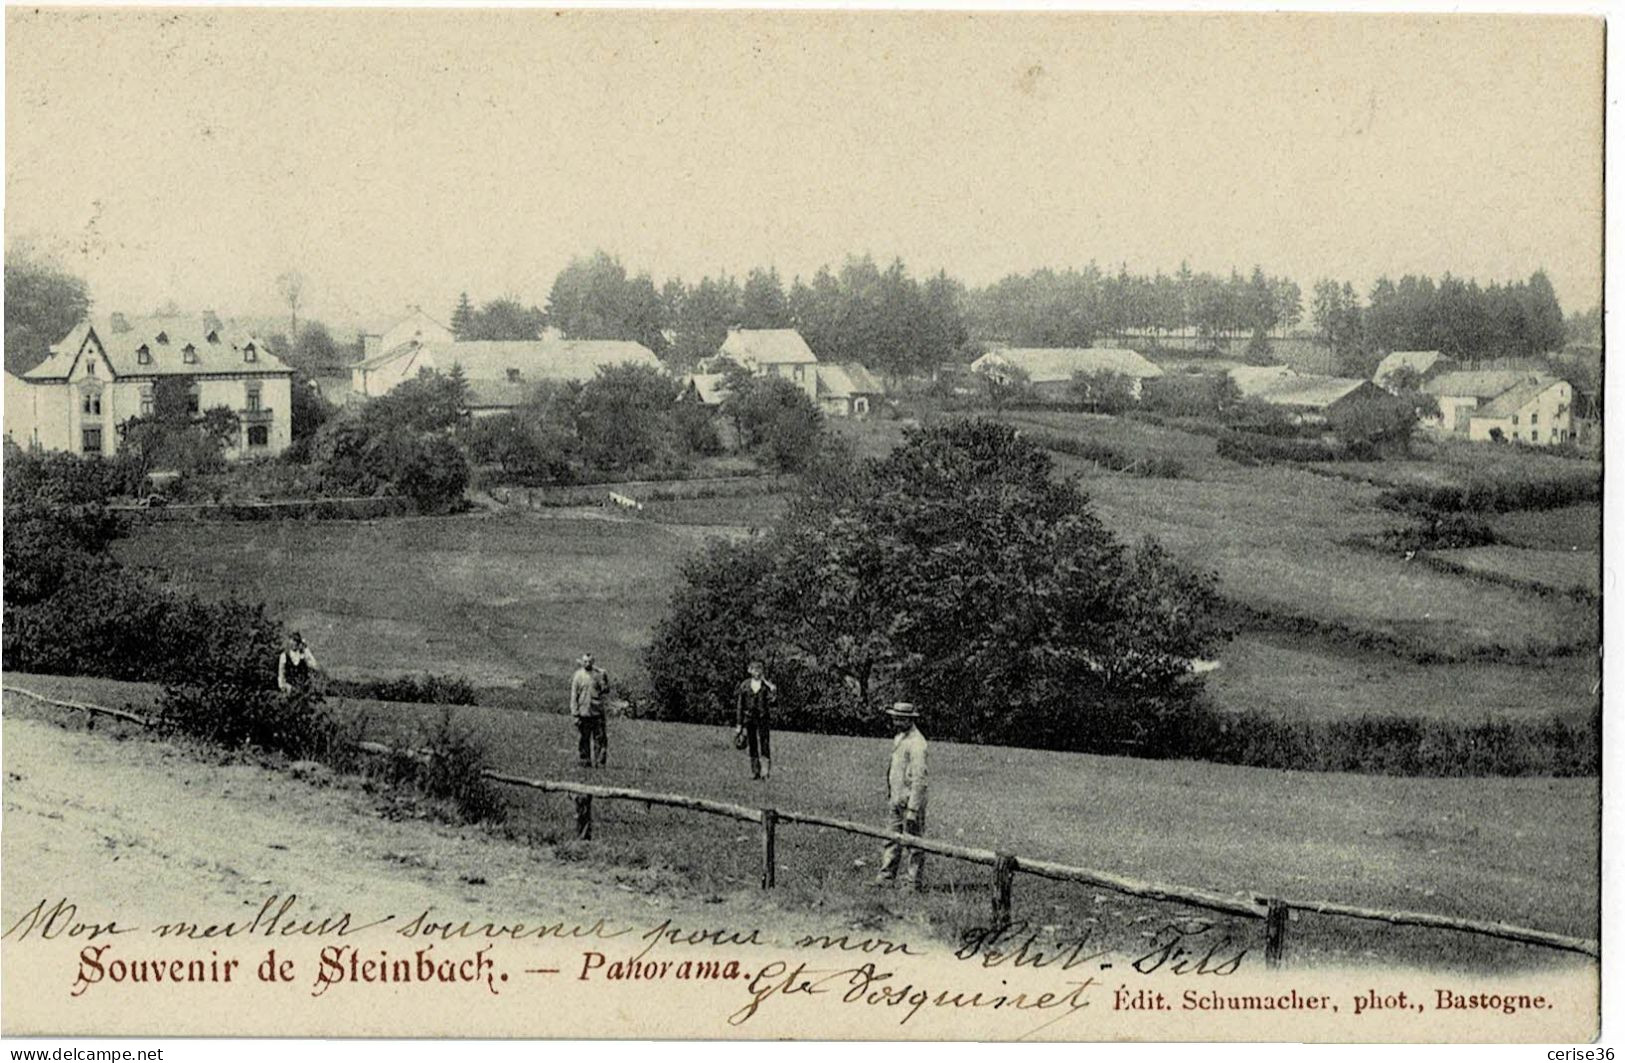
(143, 354)
(249, 354)
(213, 336)
(163, 338)
(189, 354)
(513, 376)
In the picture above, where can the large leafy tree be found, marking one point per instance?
(43, 303)
(960, 572)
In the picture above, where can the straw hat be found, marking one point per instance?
(903, 710)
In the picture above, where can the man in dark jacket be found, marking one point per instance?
(753, 716)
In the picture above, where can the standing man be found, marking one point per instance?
(589, 691)
(295, 666)
(753, 705)
(905, 794)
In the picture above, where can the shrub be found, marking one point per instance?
(298, 726)
(1189, 394)
(1483, 495)
(426, 689)
(1250, 449)
(1442, 531)
(446, 763)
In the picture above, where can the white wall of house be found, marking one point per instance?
(1544, 420)
(83, 414)
(1454, 413)
(803, 375)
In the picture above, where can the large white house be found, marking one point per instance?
(1536, 411)
(103, 373)
(500, 374)
(1474, 403)
(415, 327)
(774, 352)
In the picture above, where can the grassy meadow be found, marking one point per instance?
(1516, 850)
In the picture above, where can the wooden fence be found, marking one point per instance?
(1274, 911)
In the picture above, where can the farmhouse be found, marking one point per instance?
(774, 352)
(415, 327)
(1461, 392)
(1422, 364)
(1049, 370)
(500, 373)
(848, 390)
(1536, 411)
(1310, 395)
(103, 372)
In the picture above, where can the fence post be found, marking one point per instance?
(584, 817)
(770, 824)
(1004, 876)
(1275, 932)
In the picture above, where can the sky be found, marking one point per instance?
(401, 157)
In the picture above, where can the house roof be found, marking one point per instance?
(846, 380)
(767, 346)
(710, 387)
(535, 360)
(167, 339)
(1419, 362)
(1516, 397)
(1477, 383)
(1045, 365)
(1310, 392)
(1252, 380)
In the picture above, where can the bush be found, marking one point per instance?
(298, 726)
(446, 763)
(1250, 449)
(1189, 394)
(1484, 495)
(1108, 456)
(426, 689)
(1442, 531)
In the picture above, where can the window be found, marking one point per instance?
(253, 397)
(91, 404)
(163, 338)
(259, 435)
(213, 336)
(513, 376)
(91, 441)
(1514, 420)
(189, 354)
(249, 354)
(146, 400)
(1534, 418)
(143, 354)
(192, 399)
(90, 367)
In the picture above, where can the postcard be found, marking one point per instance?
(929, 525)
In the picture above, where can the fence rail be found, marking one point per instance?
(1274, 911)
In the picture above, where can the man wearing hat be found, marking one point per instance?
(589, 691)
(295, 666)
(905, 794)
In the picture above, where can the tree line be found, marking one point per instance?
(1455, 316)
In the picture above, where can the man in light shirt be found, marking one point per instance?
(905, 795)
(589, 695)
(753, 718)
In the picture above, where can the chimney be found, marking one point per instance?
(211, 321)
(370, 344)
(118, 322)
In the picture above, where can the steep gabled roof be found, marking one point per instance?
(1516, 397)
(1311, 392)
(166, 340)
(1419, 362)
(845, 380)
(770, 346)
(1478, 383)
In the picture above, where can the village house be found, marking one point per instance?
(1253, 380)
(415, 327)
(1049, 371)
(848, 390)
(103, 372)
(1460, 393)
(777, 352)
(1537, 411)
(1423, 365)
(500, 374)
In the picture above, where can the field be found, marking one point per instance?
(1519, 850)
(500, 599)
(1331, 627)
